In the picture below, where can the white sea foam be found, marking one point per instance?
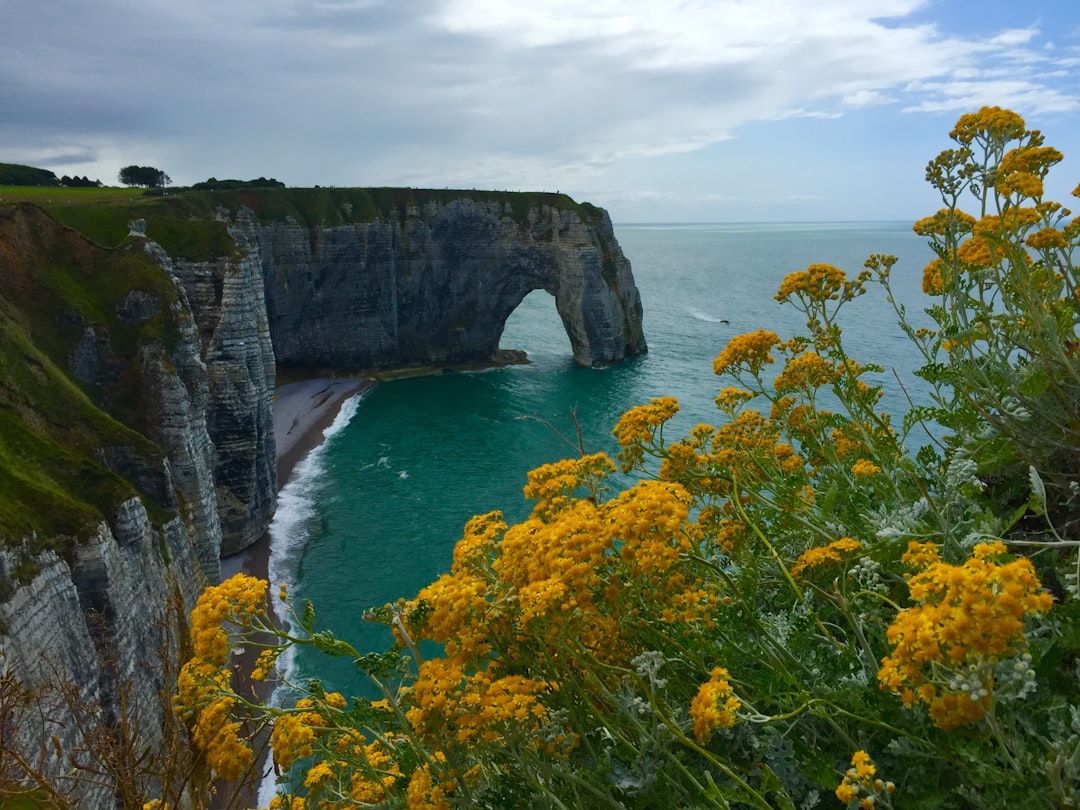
(704, 316)
(289, 531)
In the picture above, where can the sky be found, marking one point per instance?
(658, 110)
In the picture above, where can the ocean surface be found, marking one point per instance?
(373, 513)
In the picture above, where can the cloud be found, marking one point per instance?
(485, 92)
(866, 98)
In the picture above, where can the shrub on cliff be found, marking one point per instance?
(790, 608)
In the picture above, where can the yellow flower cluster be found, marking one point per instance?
(1048, 239)
(424, 793)
(638, 425)
(648, 519)
(806, 372)
(459, 613)
(569, 550)
(555, 485)
(473, 707)
(990, 125)
(835, 552)
(945, 221)
(818, 282)
(478, 541)
(235, 600)
(385, 773)
(730, 399)
(935, 276)
(219, 736)
(198, 683)
(750, 352)
(291, 803)
(293, 735)
(1022, 184)
(714, 706)
(264, 664)
(966, 616)
(860, 786)
(1030, 159)
(864, 467)
(846, 446)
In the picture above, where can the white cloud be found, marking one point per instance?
(867, 98)
(490, 92)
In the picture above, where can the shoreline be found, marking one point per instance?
(302, 411)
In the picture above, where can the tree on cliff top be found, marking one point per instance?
(145, 176)
(15, 174)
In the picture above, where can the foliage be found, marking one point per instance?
(79, 182)
(789, 608)
(14, 174)
(145, 176)
(64, 449)
(213, 184)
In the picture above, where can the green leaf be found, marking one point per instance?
(1035, 384)
(1037, 502)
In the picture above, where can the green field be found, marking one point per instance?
(58, 194)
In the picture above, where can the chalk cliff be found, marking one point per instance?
(434, 284)
(137, 363)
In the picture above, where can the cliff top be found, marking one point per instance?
(186, 223)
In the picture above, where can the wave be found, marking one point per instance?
(703, 316)
(289, 534)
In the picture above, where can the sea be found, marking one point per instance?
(372, 514)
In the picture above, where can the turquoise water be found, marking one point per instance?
(374, 513)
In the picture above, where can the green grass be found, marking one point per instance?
(58, 195)
(52, 479)
(184, 221)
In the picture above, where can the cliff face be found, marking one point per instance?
(226, 299)
(136, 382)
(435, 284)
(93, 589)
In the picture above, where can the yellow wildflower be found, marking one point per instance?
(834, 552)
(864, 468)
(860, 786)
(1047, 239)
(818, 282)
(803, 373)
(714, 706)
(638, 426)
(994, 125)
(750, 351)
(965, 617)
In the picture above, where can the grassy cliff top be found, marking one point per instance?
(54, 287)
(185, 223)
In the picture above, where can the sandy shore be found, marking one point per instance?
(302, 411)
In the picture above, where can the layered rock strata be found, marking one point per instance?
(435, 283)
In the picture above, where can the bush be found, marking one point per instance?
(788, 608)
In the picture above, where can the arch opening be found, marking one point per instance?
(535, 327)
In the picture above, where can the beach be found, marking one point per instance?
(301, 411)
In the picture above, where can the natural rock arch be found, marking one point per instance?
(436, 285)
